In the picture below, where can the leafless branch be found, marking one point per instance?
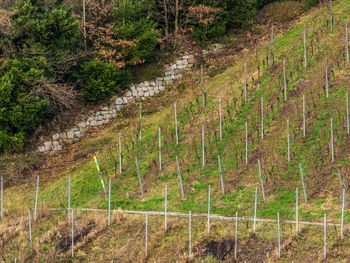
(60, 95)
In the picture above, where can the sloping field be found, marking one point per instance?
(124, 240)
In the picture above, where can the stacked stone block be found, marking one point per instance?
(139, 91)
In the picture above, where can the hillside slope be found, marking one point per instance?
(124, 239)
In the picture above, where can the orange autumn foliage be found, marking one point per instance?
(204, 14)
(101, 35)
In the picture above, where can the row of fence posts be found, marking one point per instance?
(254, 223)
(71, 211)
(255, 219)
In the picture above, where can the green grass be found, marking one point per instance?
(280, 177)
(86, 189)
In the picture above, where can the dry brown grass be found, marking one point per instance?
(280, 12)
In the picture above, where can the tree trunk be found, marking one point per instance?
(166, 19)
(176, 19)
(84, 24)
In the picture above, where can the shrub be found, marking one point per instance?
(125, 35)
(311, 3)
(20, 112)
(204, 18)
(46, 24)
(144, 36)
(218, 16)
(133, 22)
(236, 13)
(99, 80)
(11, 142)
(214, 30)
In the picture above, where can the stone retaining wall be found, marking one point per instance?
(140, 91)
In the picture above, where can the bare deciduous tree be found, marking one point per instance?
(174, 19)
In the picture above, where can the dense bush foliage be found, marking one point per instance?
(51, 26)
(99, 80)
(135, 23)
(230, 14)
(36, 39)
(20, 112)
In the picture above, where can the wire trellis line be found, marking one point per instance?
(198, 215)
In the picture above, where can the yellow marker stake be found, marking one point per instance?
(99, 173)
(140, 130)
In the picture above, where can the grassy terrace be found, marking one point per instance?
(280, 176)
